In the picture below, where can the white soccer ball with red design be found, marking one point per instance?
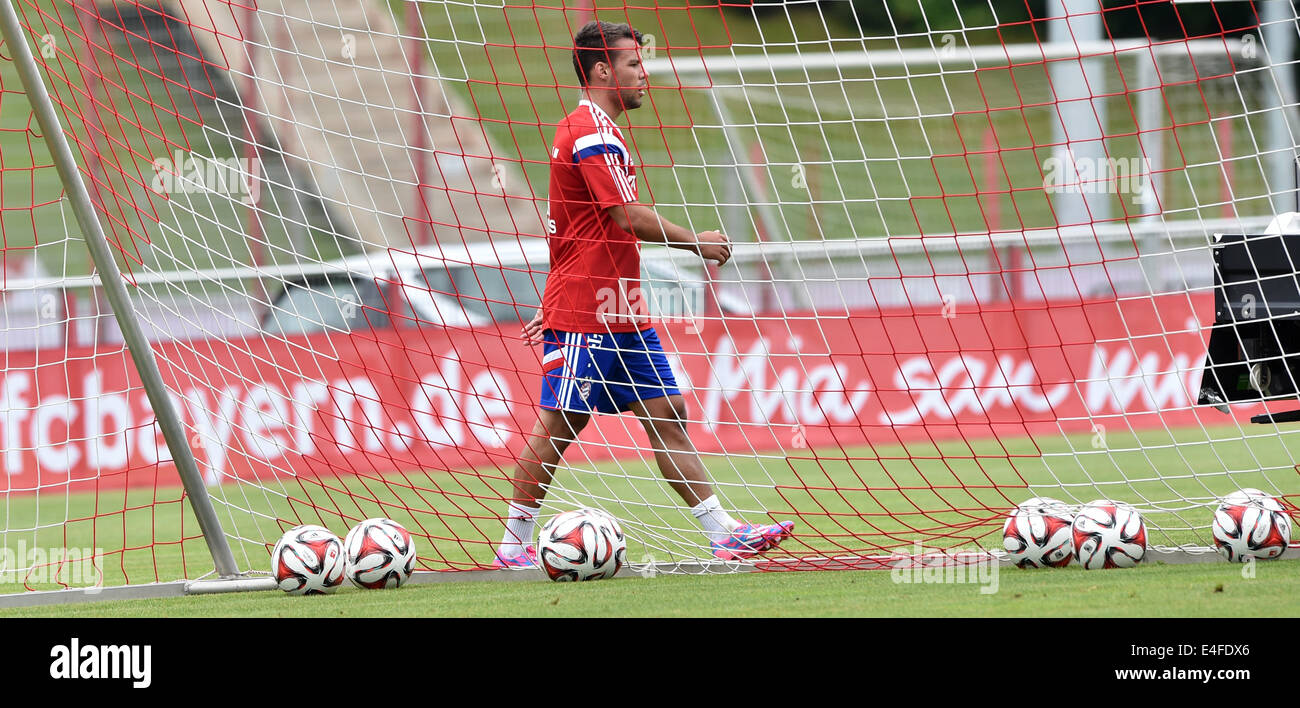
(1251, 524)
(308, 560)
(380, 554)
(584, 544)
(1039, 534)
(1109, 534)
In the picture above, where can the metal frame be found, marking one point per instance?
(114, 289)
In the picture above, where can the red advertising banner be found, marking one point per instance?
(436, 399)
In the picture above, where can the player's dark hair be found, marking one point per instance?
(591, 45)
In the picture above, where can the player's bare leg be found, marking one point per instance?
(664, 420)
(551, 436)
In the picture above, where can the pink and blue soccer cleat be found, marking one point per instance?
(752, 539)
(527, 559)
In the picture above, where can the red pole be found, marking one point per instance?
(95, 128)
(251, 153)
(993, 205)
(95, 88)
(992, 212)
(415, 59)
(1013, 265)
(255, 234)
(758, 157)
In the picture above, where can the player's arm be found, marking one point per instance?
(600, 158)
(646, 224)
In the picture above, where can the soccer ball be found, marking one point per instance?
(380, 554)
(1109, 534)
(308, 560)
(1251, 524)
(585, 544)
(1037, 534)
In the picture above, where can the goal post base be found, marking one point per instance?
(147, 591)
(940, 559)
(646, 570)
(39, 598)
(223, 585)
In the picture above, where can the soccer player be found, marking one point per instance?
(600, 354)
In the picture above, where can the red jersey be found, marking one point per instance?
(594, 282)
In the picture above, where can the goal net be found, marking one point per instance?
(973, 265)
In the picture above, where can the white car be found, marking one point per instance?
(463, 287)
(493, 283)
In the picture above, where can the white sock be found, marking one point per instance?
(521, 524)
(717, 523)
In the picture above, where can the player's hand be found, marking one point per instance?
(533, 330)
(714, 246)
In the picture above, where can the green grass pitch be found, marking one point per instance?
(145, 541)
(1156, 590)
